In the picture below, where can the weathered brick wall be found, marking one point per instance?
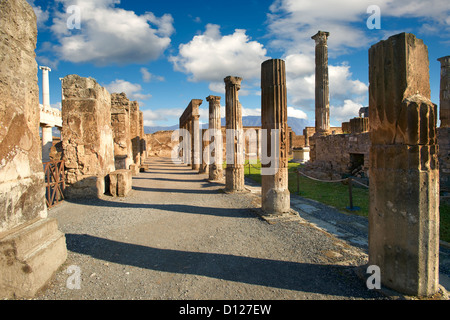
(22, 193)
(135, 132)
(334, 152)
(87, 136)
(120, 121)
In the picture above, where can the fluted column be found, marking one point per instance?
(274, 191)
(444, 111)
(235, 142)
(215, 126)
(322, 95)
(196, 143)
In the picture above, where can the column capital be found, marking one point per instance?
(321, 37)
(213, 98)
(45, 68)
(445, 61)
(230, 80)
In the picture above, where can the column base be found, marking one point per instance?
(276, 202)
(29, 256)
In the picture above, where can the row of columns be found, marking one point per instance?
(276, 196)
(404, 169)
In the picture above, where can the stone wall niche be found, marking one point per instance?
(87, 137)
(31, 246)
(404, 173)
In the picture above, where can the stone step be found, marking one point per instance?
(26, 237)
(29, 256)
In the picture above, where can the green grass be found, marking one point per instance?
(336, 194)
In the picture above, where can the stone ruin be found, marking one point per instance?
(101, 139)
(87, 137)
(444, 129)
(120, 121)
(404, 168)
(31, 246)
(102, 152)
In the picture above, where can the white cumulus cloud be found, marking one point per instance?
(132, 90)
(212, 56)
(109, 34)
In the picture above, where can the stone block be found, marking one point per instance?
(29, 255)
(134, 168)
(120, 183)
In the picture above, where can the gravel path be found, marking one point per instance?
(178, 236)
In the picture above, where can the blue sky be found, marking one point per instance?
(165, 53)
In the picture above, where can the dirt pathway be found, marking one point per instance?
(178, 236)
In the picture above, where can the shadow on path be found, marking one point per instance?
(190, 191)
(306, 277)
(182, 208)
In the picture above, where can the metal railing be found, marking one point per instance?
(54, 182)
(350, 180)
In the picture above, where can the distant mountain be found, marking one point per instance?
(296, 124)
(154, 129)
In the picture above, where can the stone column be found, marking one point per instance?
(322, 90)
(444, 129)
(258, 142)
(47, 136)
(47, 142)
(45, 86)
(135, 133)
(274, 190)
(444, 107)
(235, 145)
(196, 143)
(204, 167)
(404, 177)
(186, 145)
(215, 126)
(31, 247)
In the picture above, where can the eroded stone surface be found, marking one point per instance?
(404, 177)
(274, 191)
(87, 136)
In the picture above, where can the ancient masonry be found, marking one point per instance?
(192, 140)
(444, 129)
(135, 138)
(216, 141)
(234, 174)
(404, 175)
(322, 94)
(120, 121)
(87, 137)
(31, 246)
(274, 189)
(322, 91)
